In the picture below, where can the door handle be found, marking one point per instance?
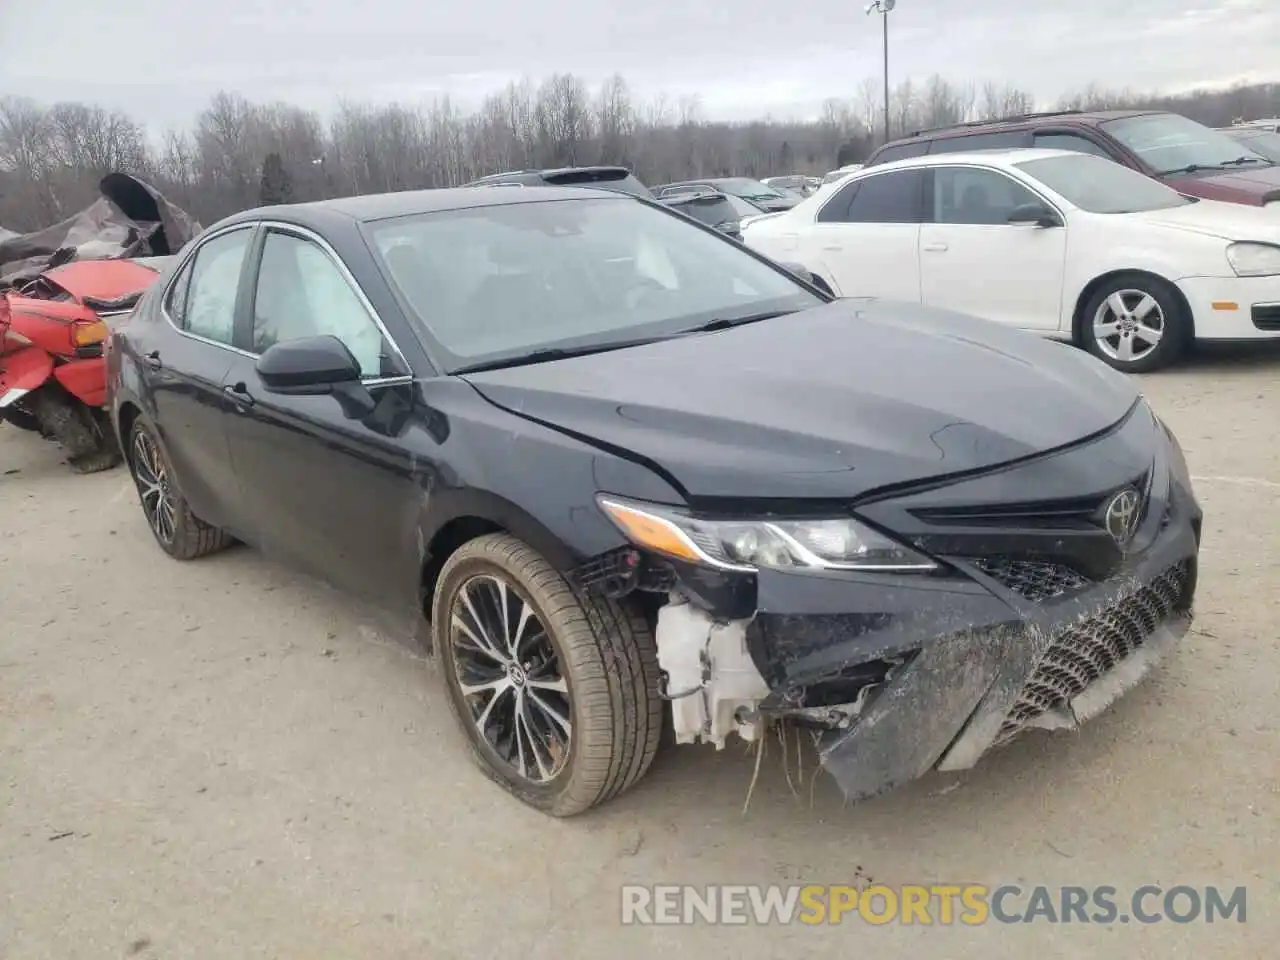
(239, 393)
(833, 247)
(152, 360)
(938, 247)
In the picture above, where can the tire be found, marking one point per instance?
(591, 661)
(81, 431)
(108, 453)
(180, 533)
(1126, 305)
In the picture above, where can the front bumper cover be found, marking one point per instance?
(977, 661)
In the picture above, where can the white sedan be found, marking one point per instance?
(1065, 244)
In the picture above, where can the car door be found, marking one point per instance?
(867, 236)
(974, 261)
(183, 360)
(330, 489)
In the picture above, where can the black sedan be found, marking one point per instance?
(616, 462)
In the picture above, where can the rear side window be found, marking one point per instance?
(981, 141)
(210, 308)
(902, 151)
(885, 198)
(1070, 141)
(175, 303)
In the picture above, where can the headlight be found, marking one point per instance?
(1254, 259)
(838, 543)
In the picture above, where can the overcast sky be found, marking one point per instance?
(162, 59)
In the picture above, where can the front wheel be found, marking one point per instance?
(1136, 323)
(556, 692)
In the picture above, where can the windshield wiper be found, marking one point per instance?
(1241, 161)
(724, 323)
(545, 354)
(1190, 168)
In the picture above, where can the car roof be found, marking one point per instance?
(990, 158)
(1090, 118)
(384, 206)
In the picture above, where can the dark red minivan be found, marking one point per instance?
(1190, 157)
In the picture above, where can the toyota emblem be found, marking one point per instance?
(1121, 515)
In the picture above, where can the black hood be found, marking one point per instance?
(829, 403)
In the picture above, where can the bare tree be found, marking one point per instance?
(51, 158)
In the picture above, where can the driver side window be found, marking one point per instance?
(972, 195)
(302, 293)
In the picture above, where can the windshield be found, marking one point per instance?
(745, 187)
(1266, 144)
(1099, 185)
(497, 282)
(1168, 142)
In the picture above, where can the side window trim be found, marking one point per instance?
(1107, 151)
(302, 233)
(920, 212)
(846, 192)
(186, 271)
(931, 186)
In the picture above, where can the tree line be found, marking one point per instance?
(237, 153)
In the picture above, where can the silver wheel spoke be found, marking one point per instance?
(517, 732)
(504, 614)
(1116, 303)
(507, 673)
(1124, 349)
(482, 721)
(1105, 328)
(557, 685)
(536, 746)
(497, 686)
(1148, 334)
(481, 639)
(1144, 307)
(551, 713)
(526, 612)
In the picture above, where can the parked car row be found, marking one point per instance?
(1062, 243)
(624, 469)
(1188, 156)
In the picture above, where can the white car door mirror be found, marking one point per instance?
(1035, 214)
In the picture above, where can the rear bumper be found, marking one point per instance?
(1234, 308)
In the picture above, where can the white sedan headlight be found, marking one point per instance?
(1254, 259)
(837, 543)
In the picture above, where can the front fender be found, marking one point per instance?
(21, 372)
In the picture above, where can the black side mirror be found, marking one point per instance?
(308, 366)
(1035, 213)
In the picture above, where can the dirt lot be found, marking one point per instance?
(223, 759)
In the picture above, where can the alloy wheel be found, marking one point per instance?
(1128, 325)
(509, 675)
(152, 478)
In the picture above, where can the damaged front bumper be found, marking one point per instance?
(1040, 626)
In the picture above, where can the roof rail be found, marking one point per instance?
(993, 120)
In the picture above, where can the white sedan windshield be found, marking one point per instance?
(499, 280)
(1101, 186)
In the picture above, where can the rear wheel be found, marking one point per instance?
(180, 533)
(557, 693)
(82, 431)
(1136, 323)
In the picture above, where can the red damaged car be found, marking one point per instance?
(52, 370)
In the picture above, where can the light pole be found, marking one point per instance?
(883, 7)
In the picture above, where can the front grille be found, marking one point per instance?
(1266, 316)
(1086, 651)
(1036, 580)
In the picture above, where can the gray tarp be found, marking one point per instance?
(130, 219)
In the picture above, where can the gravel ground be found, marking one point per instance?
(224, 759)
